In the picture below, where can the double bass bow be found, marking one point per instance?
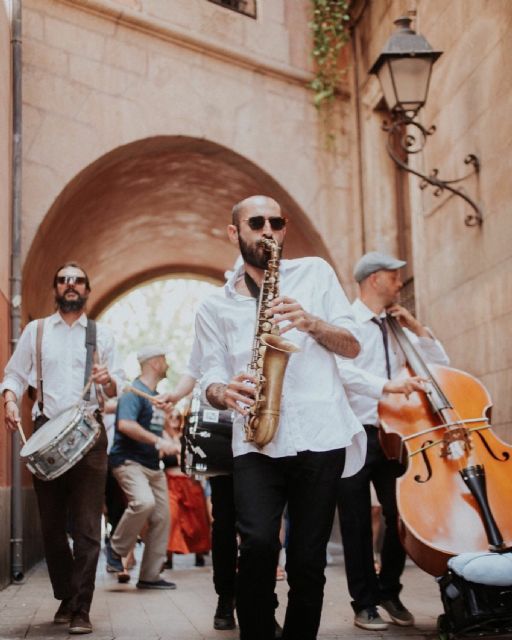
(456, 493)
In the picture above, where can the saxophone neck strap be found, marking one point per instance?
(254, 290)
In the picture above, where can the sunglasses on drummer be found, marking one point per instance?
(71, 280)
(258, 222)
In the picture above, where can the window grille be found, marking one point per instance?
(247, 7)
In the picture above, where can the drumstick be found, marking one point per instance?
(86, 388)
(20, 429)
(140, 393)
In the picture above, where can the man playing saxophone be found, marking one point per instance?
(317, 437)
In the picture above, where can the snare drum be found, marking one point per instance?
(60, 443)
(206, 442)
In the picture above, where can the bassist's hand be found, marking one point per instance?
(405, 385)
(406, 319)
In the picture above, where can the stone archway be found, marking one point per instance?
(153, 207)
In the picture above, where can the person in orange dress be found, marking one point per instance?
(190, 524)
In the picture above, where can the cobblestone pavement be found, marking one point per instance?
(122, 611)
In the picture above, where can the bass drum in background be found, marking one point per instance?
(206, 442)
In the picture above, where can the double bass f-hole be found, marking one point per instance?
(505, 454)
(424, 455)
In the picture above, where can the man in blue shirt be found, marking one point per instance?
(135, 460)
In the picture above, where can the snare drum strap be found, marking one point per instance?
(39, 364)
(91, 356)
(90, 348)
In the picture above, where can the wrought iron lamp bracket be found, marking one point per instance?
(411, 144)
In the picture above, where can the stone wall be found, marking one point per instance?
(102, 74)
(462, 275)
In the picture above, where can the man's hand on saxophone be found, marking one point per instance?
(237, 395)
(335, 339)
(287, 309)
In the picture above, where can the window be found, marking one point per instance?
(247, 7)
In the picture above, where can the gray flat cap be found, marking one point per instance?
(151, 351)
(375, 261)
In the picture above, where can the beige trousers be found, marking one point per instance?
(146, 492)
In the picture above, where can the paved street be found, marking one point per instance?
(122, 611)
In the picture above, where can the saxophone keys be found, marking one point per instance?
(266, 326)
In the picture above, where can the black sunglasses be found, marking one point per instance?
(258, 222)
(71, 280)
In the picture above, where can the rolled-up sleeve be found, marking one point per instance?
(359, 380)
(431, 349)
(337, 308)
(19, 371)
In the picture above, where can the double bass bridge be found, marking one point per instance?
(456, 442)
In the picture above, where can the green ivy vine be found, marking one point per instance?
(329, 25)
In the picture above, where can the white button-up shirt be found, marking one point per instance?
(364, 377)
(315, 414)
(63, 363)
(193, 368)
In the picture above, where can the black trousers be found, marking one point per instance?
(115, 501)
(224, 542)
(74, 499)
(263, 486)
(354, 504)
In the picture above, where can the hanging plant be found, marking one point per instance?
(329, 26)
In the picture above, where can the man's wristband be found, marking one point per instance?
(9, 400)
(158, 444)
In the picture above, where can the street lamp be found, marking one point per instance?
(404, 68)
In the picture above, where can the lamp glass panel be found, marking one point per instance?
(411, 76)
(386, 82)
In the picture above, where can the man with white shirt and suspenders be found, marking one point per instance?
(58, 357)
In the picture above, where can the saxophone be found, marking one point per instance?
(270, 354)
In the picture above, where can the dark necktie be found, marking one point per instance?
(384, 330)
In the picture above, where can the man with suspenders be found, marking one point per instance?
(58, 356)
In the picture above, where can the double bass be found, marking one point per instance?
(456, 493)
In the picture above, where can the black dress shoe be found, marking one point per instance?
(224, 618)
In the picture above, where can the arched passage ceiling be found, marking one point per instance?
(149, 208)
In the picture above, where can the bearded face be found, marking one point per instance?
(255, 253)
(70, 301)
